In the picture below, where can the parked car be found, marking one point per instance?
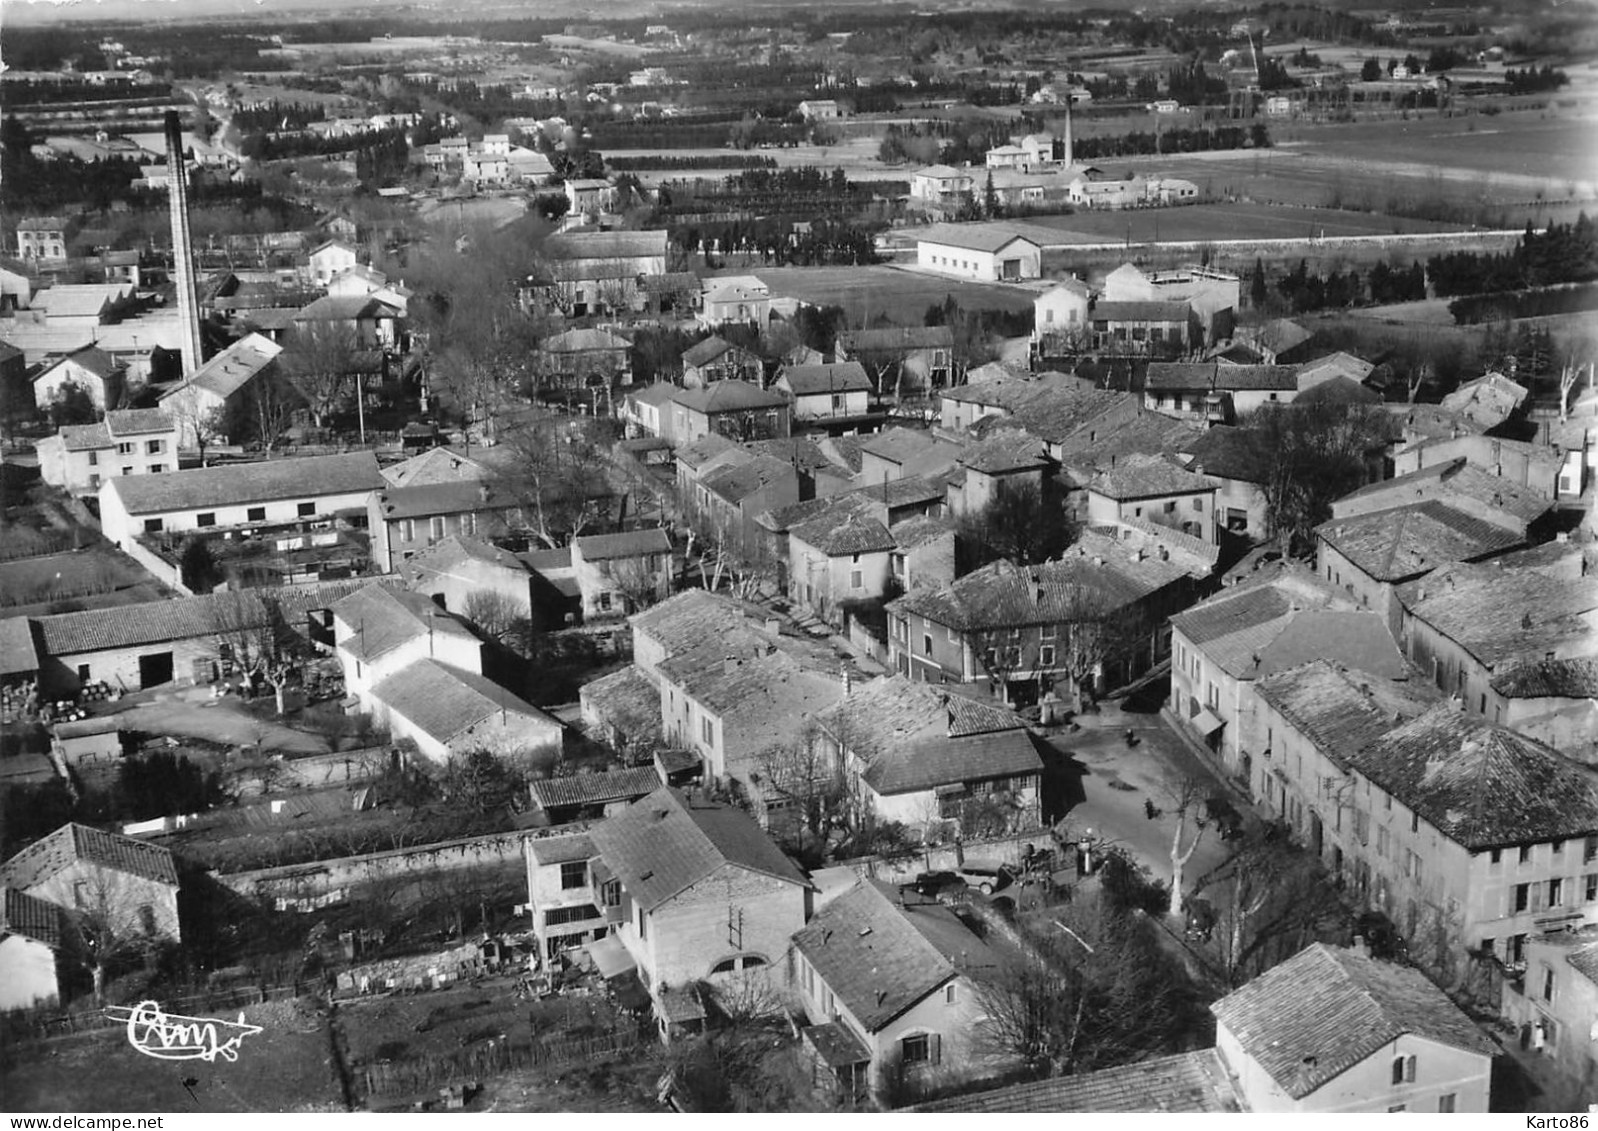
(935, 884)
(984, 879)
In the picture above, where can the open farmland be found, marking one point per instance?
(902, 295)
(1226, 221)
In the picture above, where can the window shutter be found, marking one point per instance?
(935, 1047)
(1409, 1069)
(1536, 897)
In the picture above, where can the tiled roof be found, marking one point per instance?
(18, 654)
(138, 421)
(1435, 422)
(737, 483)
(453, 551)
(847, 525)
(381, 619)
(450, 465)
(706, 351)
(755, 683)
(1323, 1011)
(1404, 542)
(462, 496)
(1282, 334)
(605, 245)
(293, 602)
(446, 701)
(1187, 1083)
(150, 622)
(656, 393)
(1504, 614)
(1482, 785)
(1575, 678)
(801, 452)
(1057, 412)
(881, 957)
(1141, 476)
(1452, 479)
(814, 380)
(690, 619)
(1198, 557)
(1340, 710)
(735, 288)
(80, 300)
(626, 699)
(897, 339)
(661, 845)
(1491, 398)
(1188, 375)
(1231, 453)
(972, 237)
(301, 477)
(703, 450)
(92, 358)
(594, 789)
(561, 849)
(920, 530)
(582, 340)
(1096, 448)
(1340, 362)
(72, 843)
(1252, 629)
(85, 437)
(30, 917)
(345, 308)
(1088, 585)
(913, 736)
(729, 396)
(235, 366)
(1585, 961)
(628, 544)
(1002, 450)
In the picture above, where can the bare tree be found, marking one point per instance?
(495, 613)
(807, 775)
(113, 921)
(1184, 797)
(249, 628)
(1273, 900)
(560, 476)
(319, 362)
(1312, 458)
(639, 583)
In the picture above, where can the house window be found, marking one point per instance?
(916, 1049)
(125, 449)
(305, 510)
(949, 994)
(708, 730)
(407, 530)
(1556, 893)
(926, 644)
(1590, 851)
(1589, 888)
(128, 470)
(643, 924)
(1198, 505)
(604, 600)
(573, 874)
(1548, 984)
(155, 468)
(1403, 1069)
(83, 673)
(856, 579)
(206, 519)
(1445, 1102)
(256, 514)
(94, 482)
(837, 402)
(1522, 895)
(154, 447)
(1496, 857)
(1525, 854)
(1558, 847)
(94, 459)
(435, 528)
(1046, 656)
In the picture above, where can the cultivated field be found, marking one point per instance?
(97, 570)
(1226, 222)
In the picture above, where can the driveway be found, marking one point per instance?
(192, 713)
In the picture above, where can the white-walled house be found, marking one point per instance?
(378, 631)
(131, 883)
(449, 711)
(985, 252)
(735, 298)
(275, 491)
(1060, 316)
(696, 893)
(90, 369)
(138, 441)
(1153, 488)
(208, 390)
(330, 259)
(888, 981)
(829, 390)
(30, 935)
(1332, 1030)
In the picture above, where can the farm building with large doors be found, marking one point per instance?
(134, 647)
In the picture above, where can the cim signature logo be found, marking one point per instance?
(175, 1037)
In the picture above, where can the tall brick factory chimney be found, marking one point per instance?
(182, 250)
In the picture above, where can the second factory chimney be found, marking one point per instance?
(182, 251)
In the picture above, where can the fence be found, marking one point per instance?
(427, 1073)
(23, 1026)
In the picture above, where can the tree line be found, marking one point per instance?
(1562, 253)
